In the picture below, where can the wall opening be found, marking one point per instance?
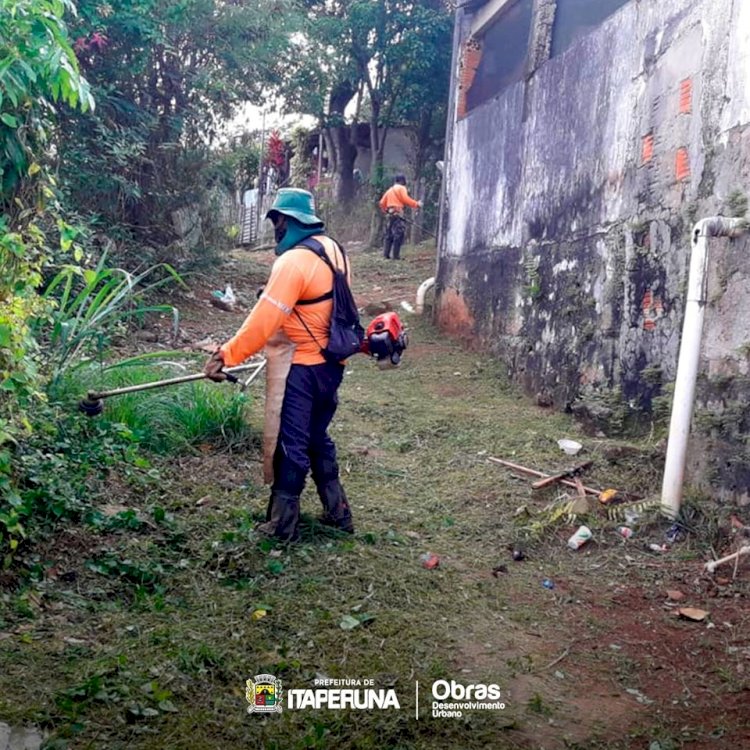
(505, 47)
(576, 18)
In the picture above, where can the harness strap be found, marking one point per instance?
(319, 250)
(315, 300)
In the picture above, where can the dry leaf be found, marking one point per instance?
(691, 613)
(205, 500)
(675, 595)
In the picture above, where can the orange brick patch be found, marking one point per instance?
(686, 96)
(682, 164)
(647, 149)
(471, 56)
(652, 308)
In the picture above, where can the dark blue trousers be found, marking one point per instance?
(310, 401)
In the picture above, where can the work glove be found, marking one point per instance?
(213, 368)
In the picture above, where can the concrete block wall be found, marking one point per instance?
(567, 208)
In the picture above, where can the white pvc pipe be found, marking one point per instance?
(424, 287)
(710, 567)
(687, 365)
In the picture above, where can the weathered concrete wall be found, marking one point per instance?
(568, 203)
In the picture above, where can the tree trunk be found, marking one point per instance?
(346, 153)
(377, 144)
(421, 150)
(344, 143)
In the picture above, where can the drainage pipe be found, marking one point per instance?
(687, 365)
(424, 287)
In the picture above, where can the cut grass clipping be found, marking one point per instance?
(174, 419)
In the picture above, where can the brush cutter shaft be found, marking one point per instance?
(94, 396)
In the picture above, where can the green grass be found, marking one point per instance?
(175, 419)
(149, 645)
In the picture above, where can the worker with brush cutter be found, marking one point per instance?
(393, 203)
(317, 323)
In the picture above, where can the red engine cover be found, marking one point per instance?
(386, 323)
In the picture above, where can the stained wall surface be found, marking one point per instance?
(568, 201)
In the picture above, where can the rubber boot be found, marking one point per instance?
(282, 517)
(336, 510)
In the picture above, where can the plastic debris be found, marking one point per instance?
(660, 548)
(225, 300)
(625, 532)
(429, 560)
(498, 569)
(571, 447)
(675, 533)
(632, 517)
(548, 584)
(518, 555)
(607, 496)
(582, 535)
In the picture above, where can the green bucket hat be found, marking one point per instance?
(299, 204)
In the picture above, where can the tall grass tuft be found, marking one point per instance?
(176, 419)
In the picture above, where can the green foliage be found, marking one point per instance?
(37, 69)
(390, 57)
(166, 74)
(90, 305)
(55, 472)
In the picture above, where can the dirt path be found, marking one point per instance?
(598, 661)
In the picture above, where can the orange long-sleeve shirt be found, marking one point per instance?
(397, 198)
(296, 275)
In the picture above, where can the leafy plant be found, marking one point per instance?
(90, 303)
(167, 75)
(37, 69)
(41, 480)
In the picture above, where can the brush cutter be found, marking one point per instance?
(386, 340)
(93, 404)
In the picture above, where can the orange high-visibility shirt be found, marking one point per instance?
(397, 198)
(296, 275)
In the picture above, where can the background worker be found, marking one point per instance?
(393, 202)
(300, 283)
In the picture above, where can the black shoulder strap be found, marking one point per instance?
(317, 247)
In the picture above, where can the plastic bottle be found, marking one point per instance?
(580, 537)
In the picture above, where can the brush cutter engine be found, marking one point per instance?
(386, 339)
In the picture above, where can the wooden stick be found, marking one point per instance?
(570, 473)
(535, 473)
